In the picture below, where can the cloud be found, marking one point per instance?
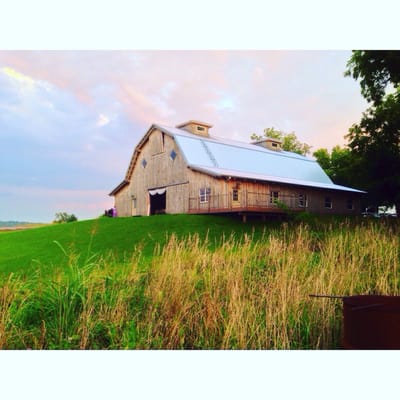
(18, 76)
(102, 120)
(49, 139)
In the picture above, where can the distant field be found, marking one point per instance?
(19, 226)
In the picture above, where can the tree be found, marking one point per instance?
(376, 69)
(341, 165)
(376, 139)
(289, 140)
(62, 217)
(324, 160)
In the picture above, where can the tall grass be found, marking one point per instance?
(243, 294)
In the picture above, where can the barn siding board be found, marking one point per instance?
(122, 202)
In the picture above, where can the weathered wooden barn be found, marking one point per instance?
(186, 170)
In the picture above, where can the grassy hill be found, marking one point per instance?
(51, 246)
(189, 282)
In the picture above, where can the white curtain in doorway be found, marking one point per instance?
(157, 191)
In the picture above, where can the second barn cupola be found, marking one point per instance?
(196, 127)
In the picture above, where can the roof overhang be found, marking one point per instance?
(225, 173)
(119, 188)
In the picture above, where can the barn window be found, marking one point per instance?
(235, 195)
(303, 201)
(144, 163)
(273, 197)
(173, 155)
(350, 205)
(328, 202)
(204, 194)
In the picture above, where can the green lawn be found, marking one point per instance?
(48, 247)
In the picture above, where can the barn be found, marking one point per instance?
(186, 170)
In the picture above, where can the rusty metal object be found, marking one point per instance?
(370, 322)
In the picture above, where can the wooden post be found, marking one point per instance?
(244, 218)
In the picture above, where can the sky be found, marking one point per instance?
(70, 120)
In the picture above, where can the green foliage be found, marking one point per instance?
(324, 160)
(341, 165)
(376, 139)
(306, 217)
(376, 69)
(289, 141)
(62, 217)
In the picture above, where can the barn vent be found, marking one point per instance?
(195, 127)
(269, 143)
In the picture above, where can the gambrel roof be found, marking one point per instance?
(222, 157)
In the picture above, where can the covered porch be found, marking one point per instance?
(243, 201)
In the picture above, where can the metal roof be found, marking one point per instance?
(221, 172)
(225, 157)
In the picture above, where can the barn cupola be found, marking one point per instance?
(269, 143)
(195, 127)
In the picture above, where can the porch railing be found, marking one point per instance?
(245, 201)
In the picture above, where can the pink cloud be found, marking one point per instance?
(267, 87)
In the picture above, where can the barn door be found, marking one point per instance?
(158, 201)
(236, 195)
